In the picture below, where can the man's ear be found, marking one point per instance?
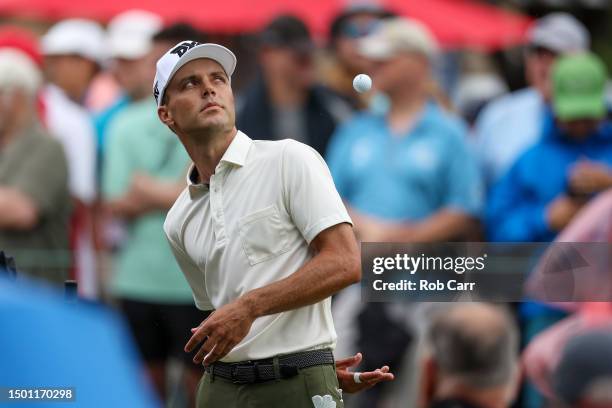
(165, 116)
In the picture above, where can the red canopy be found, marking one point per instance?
(461, 23)
(456, 23)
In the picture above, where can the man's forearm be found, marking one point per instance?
(325, 274)
(442, 226)
(17, 211)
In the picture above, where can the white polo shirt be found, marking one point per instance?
(252, 226)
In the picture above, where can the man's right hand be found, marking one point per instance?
(220, 332)
(561, 211)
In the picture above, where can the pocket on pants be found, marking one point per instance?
(322, 386)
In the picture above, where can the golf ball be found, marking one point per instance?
(362, 83)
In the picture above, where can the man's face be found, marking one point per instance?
(538, 65)
(135, 75)
(579, 129)
(293, 66)
(72, 73)
(405, 70)
(346, 45)
(199, 99)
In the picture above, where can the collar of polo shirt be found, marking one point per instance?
(235, 154)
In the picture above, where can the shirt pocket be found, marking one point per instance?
(263, 235)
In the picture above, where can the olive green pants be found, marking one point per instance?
(313, 387)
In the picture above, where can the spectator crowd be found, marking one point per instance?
(88, 172)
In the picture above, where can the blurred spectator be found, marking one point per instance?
(474, 91)
(514, 122)
(583, 377)
(554, 178)
(74, 51)
(592, 224)
(284, 102)
(25, 41)
(405, 176)
(346, 29)
(34, 198)
(551, 181)
(478, 84)
(48, 342)
(129, 42)
(472, 358)
(144, 172)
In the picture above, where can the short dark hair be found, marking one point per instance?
(178, 32)
(287, 31)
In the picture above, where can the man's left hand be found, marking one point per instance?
(587, 177)
(346, 378)
(220, 332)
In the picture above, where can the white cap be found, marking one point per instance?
(184, 52)
(130, 33)
(397, 35)
(17, 70)
(561, 33)
(75, 37)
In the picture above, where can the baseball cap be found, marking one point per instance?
(340, 24)
(287, 31)
(130, 33)
(586, 359)
(559, 32)
(22, 40)
(18, 70)
(578, 87)
(183, 53)
(397, 35)
(75, 37)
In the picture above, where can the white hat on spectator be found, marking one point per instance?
(398, 35)
(18, 71)
(130, 33)
(561, 33)
(75, 37)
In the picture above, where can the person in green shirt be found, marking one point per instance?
(143, 173)
(34, 199)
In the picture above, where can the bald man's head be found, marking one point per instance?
(475, 343)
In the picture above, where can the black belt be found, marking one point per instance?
(254, 371)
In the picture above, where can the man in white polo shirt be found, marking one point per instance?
(263, 238)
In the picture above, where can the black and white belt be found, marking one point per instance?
(255, 371)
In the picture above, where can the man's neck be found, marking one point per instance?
(206, 156)
(404, 111)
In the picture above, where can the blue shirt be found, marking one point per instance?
(505, 129)
(516, 208)
(405, 177)
(49, 342)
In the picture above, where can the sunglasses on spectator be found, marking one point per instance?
(541, 51)
(351, 29)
